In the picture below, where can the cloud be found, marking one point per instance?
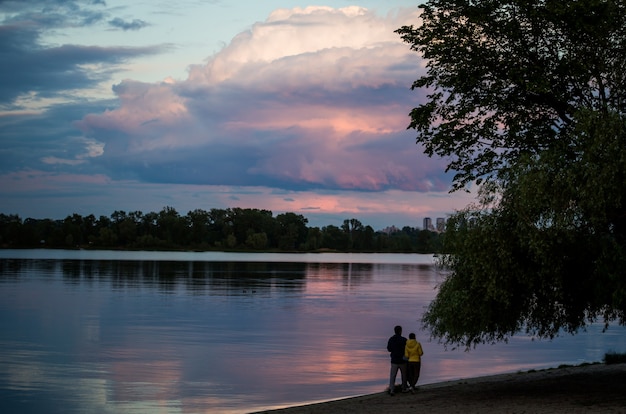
(303, 112)
(33, 69)
(48, 141)
(311, 98)
(135, 24)
(86, 149)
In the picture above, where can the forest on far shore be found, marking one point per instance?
(231, 229)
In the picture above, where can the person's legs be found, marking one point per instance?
(409, 373)
(418, 368)
(413, 373)
(392, 377)
(403, 374)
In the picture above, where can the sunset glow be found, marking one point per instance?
(309, 102)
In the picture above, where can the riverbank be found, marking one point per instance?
(579, 389)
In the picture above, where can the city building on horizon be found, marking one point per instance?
(440, 224)
(428, 224)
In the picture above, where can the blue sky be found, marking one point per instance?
(279, 105)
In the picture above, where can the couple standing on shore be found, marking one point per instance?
(406, 357)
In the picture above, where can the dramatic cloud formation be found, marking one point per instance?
(304, 111)
(310, 98)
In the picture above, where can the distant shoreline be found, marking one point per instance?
(183, 250)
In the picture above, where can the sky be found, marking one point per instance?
(281, 105)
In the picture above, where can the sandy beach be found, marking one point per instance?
(596, 388)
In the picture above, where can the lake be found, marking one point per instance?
(185, 332)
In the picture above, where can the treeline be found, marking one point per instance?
(217, 229)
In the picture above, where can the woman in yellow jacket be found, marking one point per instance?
(412, 353)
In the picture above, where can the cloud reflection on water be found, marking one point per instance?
(178, 336)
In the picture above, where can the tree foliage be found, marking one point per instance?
(506, 78)
(527, 98)
(218, 229)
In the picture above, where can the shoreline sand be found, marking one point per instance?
(571, 389)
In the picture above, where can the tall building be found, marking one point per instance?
(428, 224)
(441, 224)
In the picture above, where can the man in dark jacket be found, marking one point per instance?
(395, 346)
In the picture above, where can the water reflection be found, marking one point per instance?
(142, 336)
(169, 277)
(228, 278)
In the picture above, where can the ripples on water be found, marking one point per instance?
(186, 332)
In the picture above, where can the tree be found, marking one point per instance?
(292, 231)
(313, 238)
(257, 241)
(352, 228)
(199, 221)
(366, 239)
(90, 228)
(172, 228)
(506, 78)
(73, 229)
(10, 228)
(334, 238)
(527, 99)
(247, 221)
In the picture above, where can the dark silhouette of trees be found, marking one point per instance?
(527, 99)
(291, 231)
(216, 229)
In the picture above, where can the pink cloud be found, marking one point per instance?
(301, 32)
(314, 97)
(305, 112)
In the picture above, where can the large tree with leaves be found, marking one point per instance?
(526, 99)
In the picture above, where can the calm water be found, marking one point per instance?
(145, 332)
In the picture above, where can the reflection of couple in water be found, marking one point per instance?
(406, 357)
